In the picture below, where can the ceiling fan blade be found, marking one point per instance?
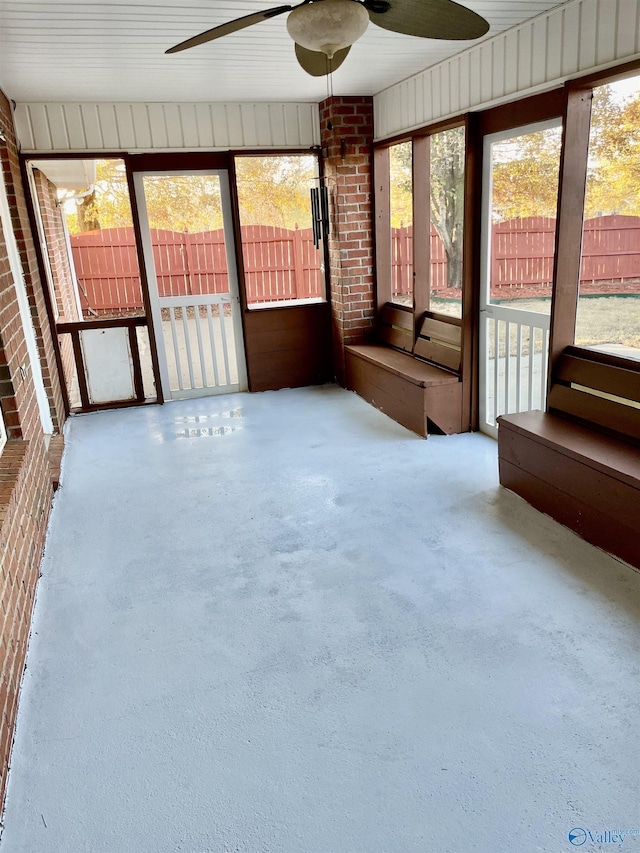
(431, 19)
(231, 27)
(318, 64)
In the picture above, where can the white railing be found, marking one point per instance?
(199, 343)
(515, 344)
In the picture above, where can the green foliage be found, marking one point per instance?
(184, 202)
(525, 169)
(613, 178)
(446, 185)
(107, 206)
(271, 191)
(446, 189)
(275, 190)
(525, 175)
(400, 185)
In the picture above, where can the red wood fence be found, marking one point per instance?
(279, 264)
(402, 261)
(523, 249)
(282, 264)
(611, 249)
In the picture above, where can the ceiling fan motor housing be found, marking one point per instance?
(327, 26)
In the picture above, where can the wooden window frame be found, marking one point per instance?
(234, 156)
(574, 155)
(421, 166)
(571, 102)
(421, 163)
(571, 211)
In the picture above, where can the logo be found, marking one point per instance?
(577, 836)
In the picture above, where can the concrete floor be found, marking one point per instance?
(280, 623)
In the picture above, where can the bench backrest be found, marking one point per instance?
(440, 341)
(586, 386)
(395, 327)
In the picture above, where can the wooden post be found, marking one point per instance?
(144, 284)
(299, 283)
(421, 230)
(471, 273)
(81, 373)
(568, 249)
(383, 256)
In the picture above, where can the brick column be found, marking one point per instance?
(25, 475)
(16, 195)
(346, 133)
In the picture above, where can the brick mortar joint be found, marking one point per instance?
(18, 465)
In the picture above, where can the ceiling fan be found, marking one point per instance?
(324, 30)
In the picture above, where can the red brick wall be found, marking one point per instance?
(25, 476)
(25, 497)
(52, 220)
(26, 247)
(346, 129)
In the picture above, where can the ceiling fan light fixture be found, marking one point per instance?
(326, 26)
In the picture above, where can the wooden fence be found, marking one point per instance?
(284, 264)
(279, 264)
(522, 254)
(402, 261)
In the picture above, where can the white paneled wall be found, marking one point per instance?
(573, 39)
(148, 127)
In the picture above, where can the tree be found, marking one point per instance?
(525, 169)
(106, 206)
(179, 203)
(184, 202)
(271, 191)
(400, 185)
(87, 214)
(613, 178)
(275, 190)
(525, 175)
(446, 191)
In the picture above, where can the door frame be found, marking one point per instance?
(486, 309)
(15, 265)
(222, 172)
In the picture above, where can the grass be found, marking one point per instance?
(601, 319)
(609, 319)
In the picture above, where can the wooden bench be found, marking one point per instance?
(413, 384)
(580, 461)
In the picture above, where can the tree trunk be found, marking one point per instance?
(87, 217)
(454, 266)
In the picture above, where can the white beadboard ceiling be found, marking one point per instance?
(95, 51)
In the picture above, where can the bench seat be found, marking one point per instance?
(406, 389)
(610, 456)
(582, 476)
(403, 365)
